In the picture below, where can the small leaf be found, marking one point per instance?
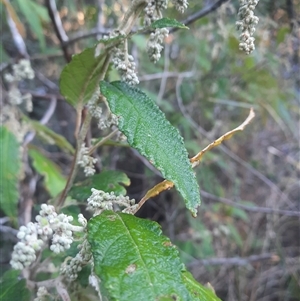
(10, 164)
(135, 262)
(49, 136)
(54, 180)
(166, 22)
(12, 288)
(79, 79)
(33, 13)
(110, 40)
(147, 130)
(107, 181)
(199, 292)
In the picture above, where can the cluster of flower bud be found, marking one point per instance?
(34, 235)
(153, 10)
(104, 120)
(100, 201)
(246, 23)
(154, 45)
(71, 268)
(86, 161)
(125, 64)
(20, 71)
(180, 5)
(42, 294)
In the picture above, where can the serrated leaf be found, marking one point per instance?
(10, 164)
(199, 292)
(34, 13)
(147, 130)
(108, 181)
(53, 178)
(12, 288)
(49, 136)
(166, 22)
(134, 261)
(79, 79)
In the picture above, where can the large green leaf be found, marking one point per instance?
(134, 261)
(12, 288)
(108, 181)
(49, 136)
(79, 79)
(10, 163)
(53, 178)
(147, 130)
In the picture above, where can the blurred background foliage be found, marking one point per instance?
(206, 86)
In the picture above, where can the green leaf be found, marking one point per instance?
(12, 288)
(53, 178)
(34, 14)
(10, 164)
(147, 130)
(49, 136)
(134, 261)
(166, 22)
(110, 40)
(80, 78)
(199, 292)
(108, 181)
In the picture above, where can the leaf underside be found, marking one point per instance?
(134, 261)
(148, 131)
(79, 79)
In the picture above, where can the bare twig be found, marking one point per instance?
(164, 77)
(87, 34)
(265, 210)
(58, 27)
(44, 120)
(17, 38)
(240, 261)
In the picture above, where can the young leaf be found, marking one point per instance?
(9, 169)
(147, 130)
(34, 13)
(79, 79)
(166, 22)
(134, 261)
(108, 181)
(12, 288)
(54, 180)
(49, 136)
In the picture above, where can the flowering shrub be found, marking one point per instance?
(125, 258)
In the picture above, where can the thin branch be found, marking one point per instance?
(264, 210)
(201, 13)
(58, 27)
(102, 141)
(100, 18)
(44, 120)
(239, 261)
(87, 34)
(17, 38)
